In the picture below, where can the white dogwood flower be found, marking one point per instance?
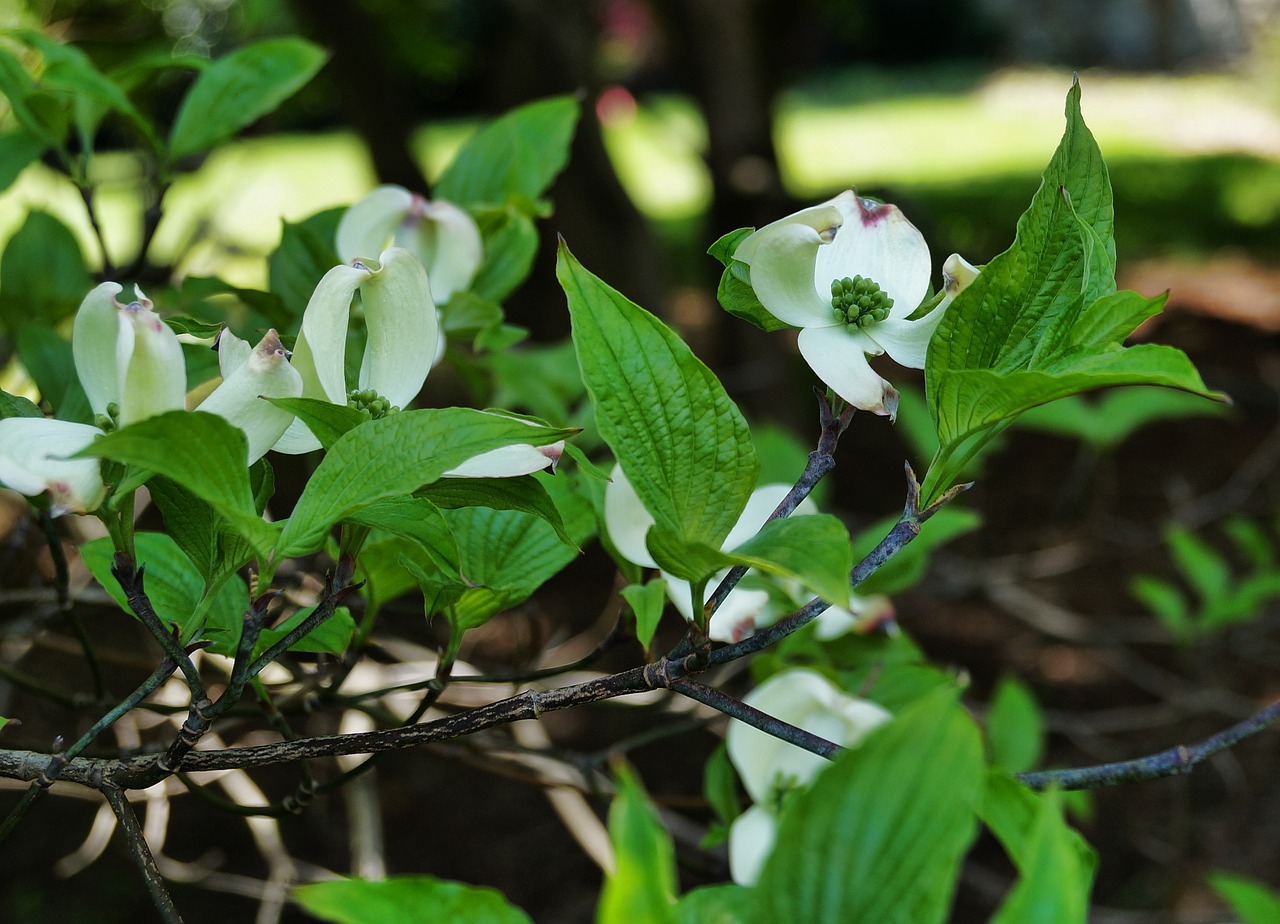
(770, 768)
(849, 273)
(440, 234)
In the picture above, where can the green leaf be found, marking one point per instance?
(1054, 863)
(18, 150)
(195, 526)
(203, 453)
(510, 246)
(1206, 570)
(647, 602)
(1042, 321)
(1015, 727)
(5, 721)
(49, 360)
(40, 114)
(881, 833)
(17, 406)
(240, 88)
(682, 442)
(68, 68)
(1253, 901)
(516, 156)
(396, 455)
(1166, 602)
(330, 637)
(43, 277)
(734, 293)
(406, 900)
(720, 785)
(510, 554)
(329, 422)
(641, 889)
(176, 589)
(718, 904)
(304, 255)
(525, 494)
(419, 521)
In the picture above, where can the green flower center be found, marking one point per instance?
(371, 404)
(859, 302)
(110, 420)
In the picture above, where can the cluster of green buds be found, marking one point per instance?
(371, 404)
(109, 419)
(859, 302)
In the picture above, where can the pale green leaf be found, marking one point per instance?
(641, 888)
(1015, 727)
(647, 602)
(1253, 901)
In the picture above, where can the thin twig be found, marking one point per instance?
(735, 708)
(160, 896)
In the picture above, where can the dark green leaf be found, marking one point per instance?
(49, 360)
(510, 246)
(18, 149)
(419, 521)
(525, 494)
(305, 254)
(17, 406)
(43, 277)
(327, 421)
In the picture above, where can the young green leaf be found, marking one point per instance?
(406, 900)
(397, 455)
(1043, 321)
(1055, 864)
(176, 589)
(642, 886)
(734, 293)
(647, 602)
(880, 834)
(516, 156)
(683, 443)
(1253, 901)
(510, 245)
(239, 88)
(330, 637)
(1015, 727)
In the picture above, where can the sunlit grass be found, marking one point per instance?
(858, 130)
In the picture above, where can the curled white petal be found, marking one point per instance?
(751, 839)
(33, 459)
(447, 241)
(509, 461)
(782, 255)
(232, 352)
(320, 352)
(808, 700)
(93, 346)
(957, 273)
(838, 357)
(149, 363)
(368, 226)
(239, 399)
(403, 331)
(876, 241)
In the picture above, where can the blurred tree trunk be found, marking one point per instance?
(374, 98)
(548, 49)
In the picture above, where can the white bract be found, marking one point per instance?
(848, 273)
(444, 237)
(130, 364)
(249, 375)
(770, 768)
(745, 609)
(401, 327)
